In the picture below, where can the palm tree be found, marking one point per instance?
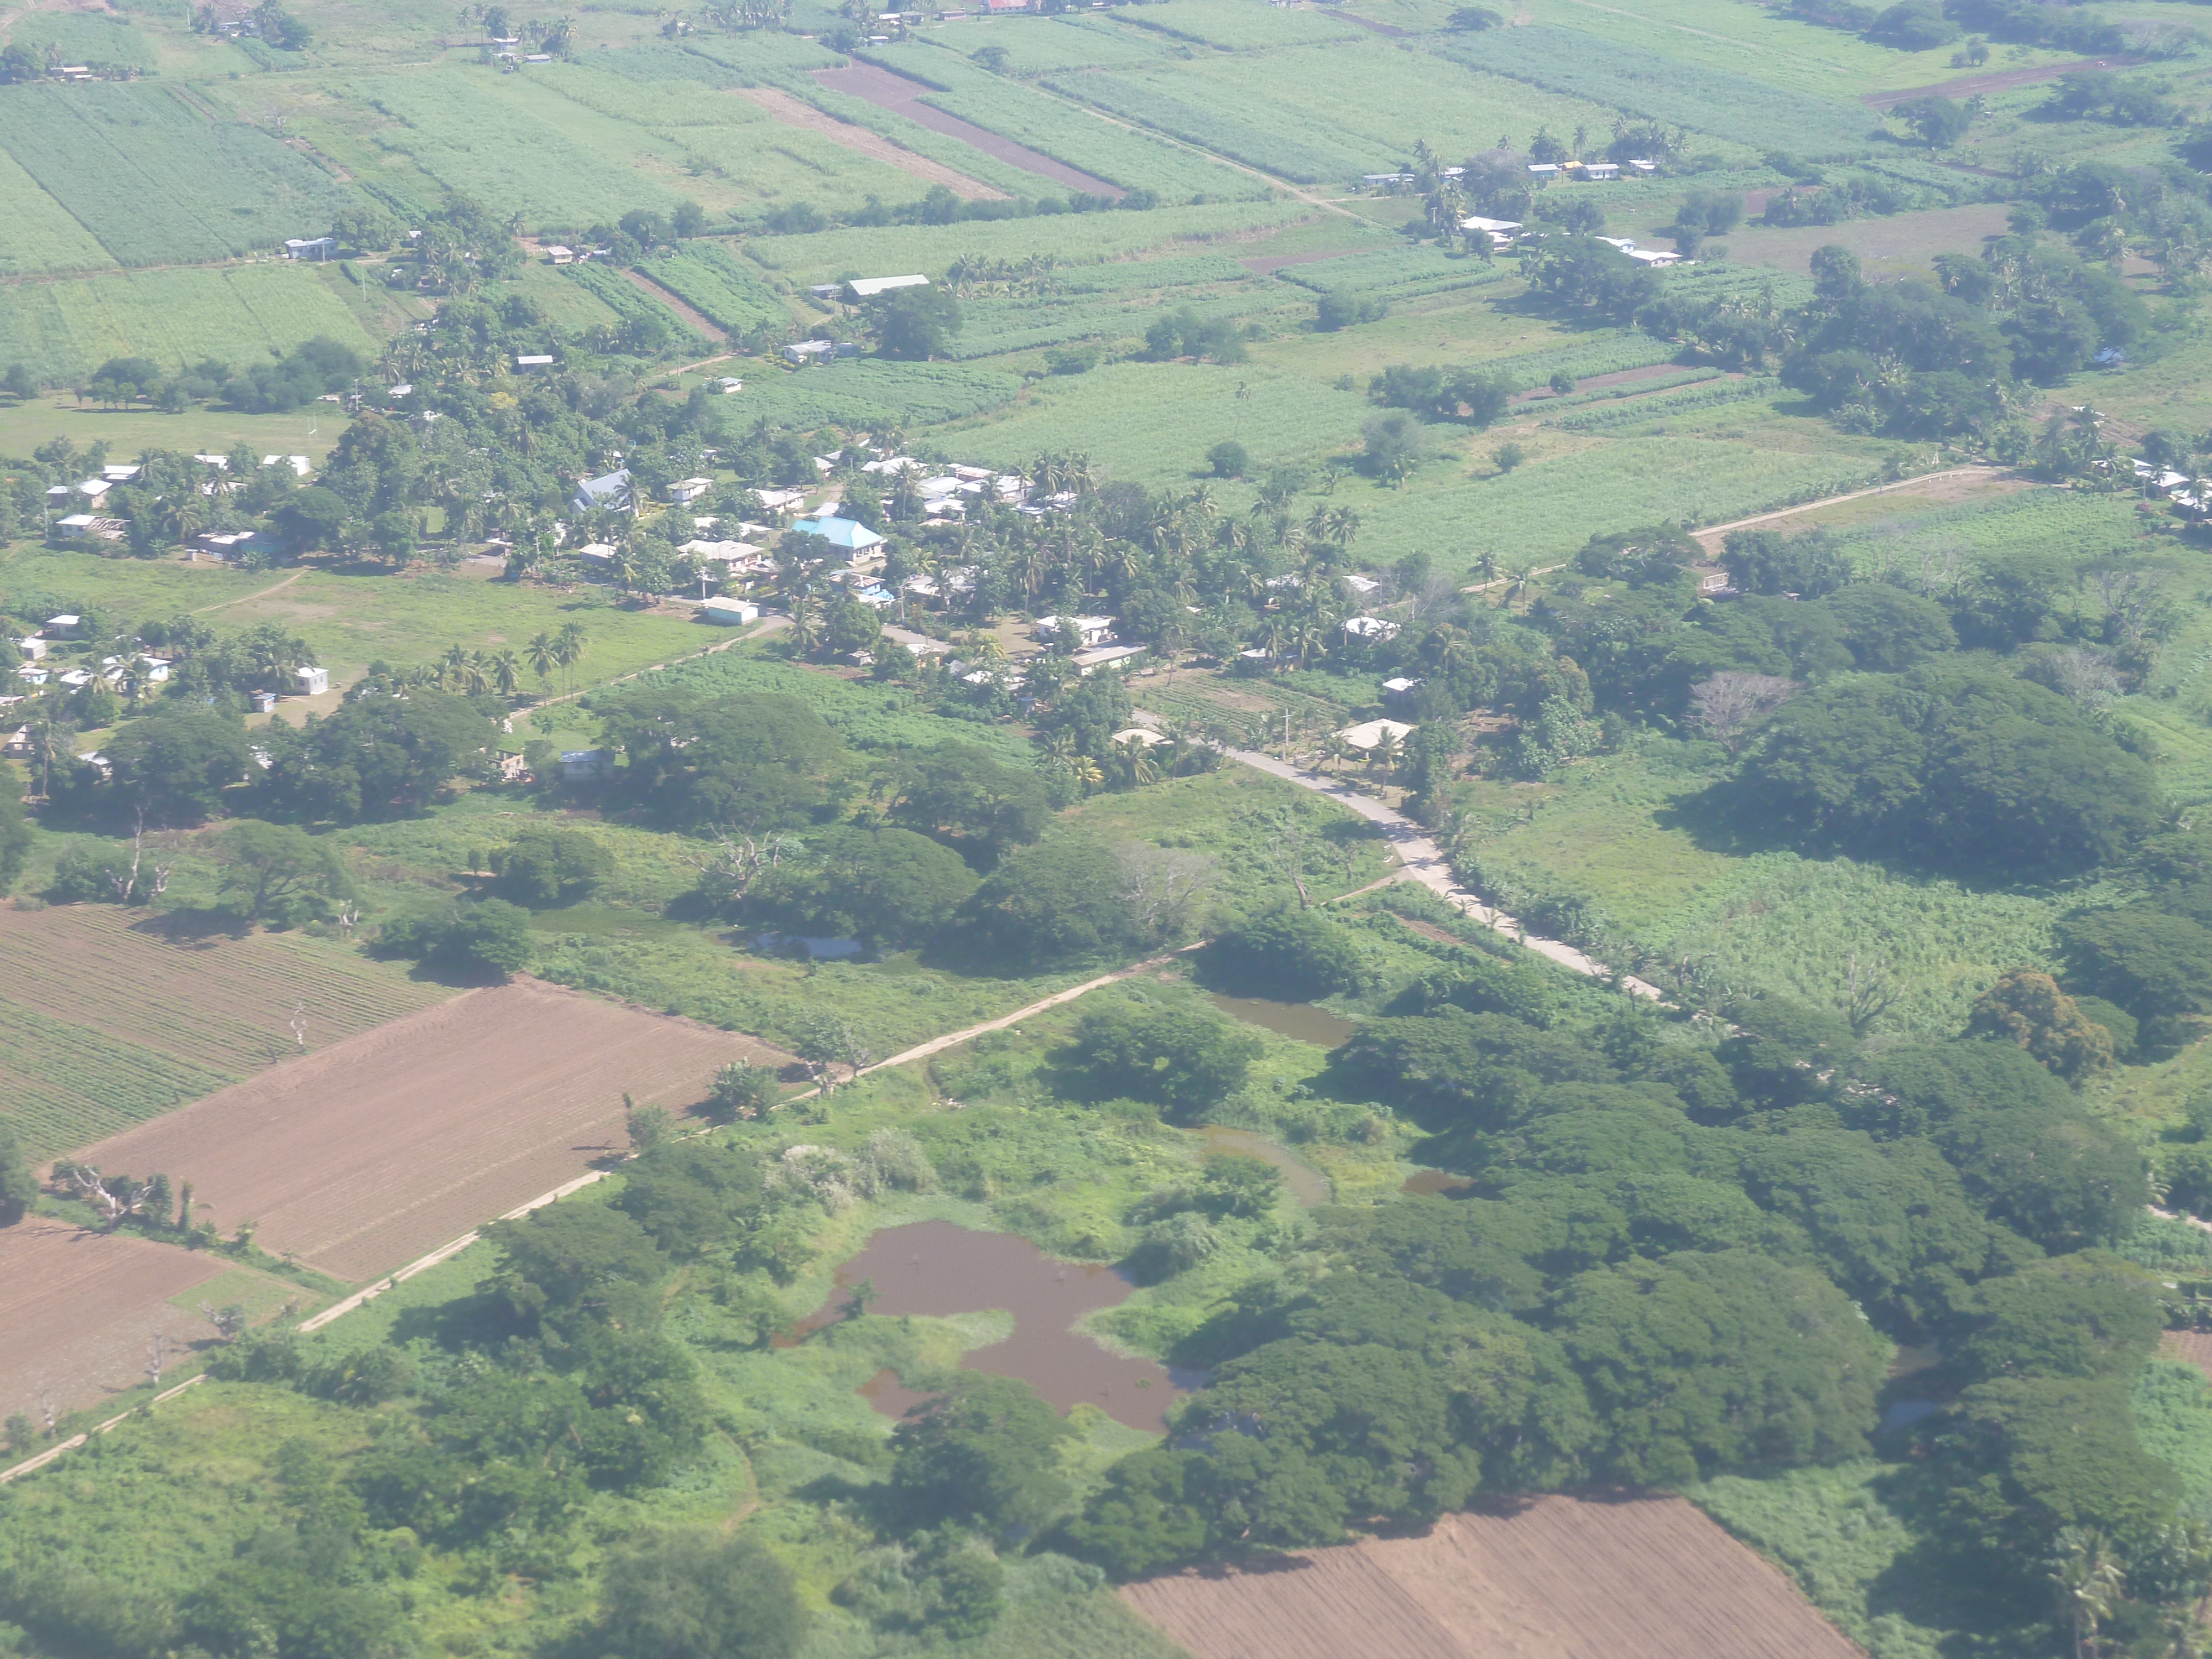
(452, 667)
(805, 623)
(569, 645)
(545, 656)
(506, 673)
(1487, 564)
(1517, 588)
(2088, 1577)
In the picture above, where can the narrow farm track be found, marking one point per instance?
(247, 599)
(676, 302)
(1424, 861)
(1708, 534)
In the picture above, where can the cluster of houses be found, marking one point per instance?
(1587, 173)
(2177, 487)
(37, 671)
(86, 524)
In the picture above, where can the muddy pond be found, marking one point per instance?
(1300, 1021)
(937, 1269)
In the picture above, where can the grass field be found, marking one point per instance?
(62, 330)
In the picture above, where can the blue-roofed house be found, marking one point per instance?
(611, 492)
(850, 534)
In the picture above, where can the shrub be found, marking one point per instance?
(549, 866)
(1289, 953)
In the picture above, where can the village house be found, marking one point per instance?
(725, 612)
(610, 492)
(849, 535)
(684, 492)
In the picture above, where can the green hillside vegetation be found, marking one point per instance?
(1800, 626)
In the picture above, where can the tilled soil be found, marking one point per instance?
(1551, 1578)
(380, 1148)
(78, 1310)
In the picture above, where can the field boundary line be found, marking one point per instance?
(1979, 470)
(29, 1464)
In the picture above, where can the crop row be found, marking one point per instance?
(1257, 137)
(725, 292)
(60, 330)
(1674, 403)
(1672, 90)
(156, 183)
(1661, 382)
(72, 1083)
(1396, 273)
(623, 296)
(866, 392)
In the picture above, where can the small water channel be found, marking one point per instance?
(1301, 1021)
(1308, 1186)
(937, 1269)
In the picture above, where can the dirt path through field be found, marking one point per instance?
(247, 599)
(359, 1157)
(1967, 86)
(1709, 537)
(1424, 861)
(798, 113)
(1551, 1578)
(677, 303)
(902, 96)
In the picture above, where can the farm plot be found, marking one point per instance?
(1268, 137)
(223, 1004)
(626, 298)
(62, 330)
(41, 235)
(79, 1309)
(1551, 1578)
(1062, 133)
(1899, 245)
(86, 38)
(1651, 83)
(726, 293)
(156, 182)
(1398, 273)
(1070, 238)
(1235, 26)
(865, 391)
(104, 1025)
(512, 158)
(360, 1157)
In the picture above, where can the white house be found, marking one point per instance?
(599, 551)
(534, 360)
(559, 256)
(1106, 656)
(729, 613)
(728, 384)
(1370, 628)
(33, 673)
(311, 682)
(1545, 170)
(1500, 231)
(35, 649)
(1399, 687)
(86, 527)
(63, 627)
(1373, 734)
(780, 501)
(1088, 630)
(311, 247)
(300, 464)
(702, 550)
(120, 474)
(868, 288)
(684, 492)
(806, 351)
(1598, 172)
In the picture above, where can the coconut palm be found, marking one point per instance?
(569, 645)
(506, 670)
(2088, 1576)
(805, 623)
(545, 656)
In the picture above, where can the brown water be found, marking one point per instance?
(1436, 1180)
(1298, 1020)
(937, 1269)
(1309, 1187)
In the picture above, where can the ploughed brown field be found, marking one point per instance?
(380, 1148)
(2190, 1347)
(1547, 1578)
(77, 1309)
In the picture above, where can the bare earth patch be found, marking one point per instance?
(2190, 1348)
(1551, 1578)
(77, 1309)
(1892, 245)
(379, 1149)
(902, 96)
(798, 113)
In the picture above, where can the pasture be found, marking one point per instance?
(1532, 1580)
(360, 1158)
